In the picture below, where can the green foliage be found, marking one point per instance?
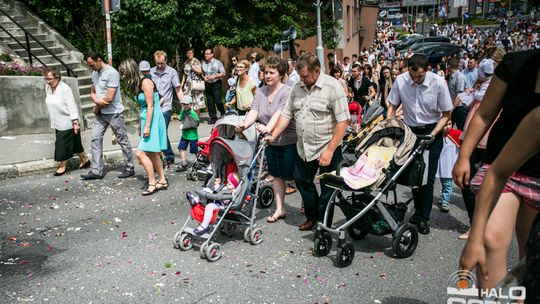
(5, 58)
(144, 26)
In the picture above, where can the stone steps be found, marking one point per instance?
(60, 47)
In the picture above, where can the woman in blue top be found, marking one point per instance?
(152, 124)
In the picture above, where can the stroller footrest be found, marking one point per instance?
(336, 182)
(202, 236)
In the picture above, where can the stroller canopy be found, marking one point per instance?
(390, 133)
(225, 151)
(226, 127)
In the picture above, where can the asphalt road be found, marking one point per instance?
(64, 240)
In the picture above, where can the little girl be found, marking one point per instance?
(447, 160)
(232, 183)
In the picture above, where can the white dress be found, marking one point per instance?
(448, 158)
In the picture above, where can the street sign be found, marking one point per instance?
(382, 14)
(114, 6)
(466, 16)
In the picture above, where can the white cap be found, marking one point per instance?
(144, 66)
(486, 67)
(186, 100)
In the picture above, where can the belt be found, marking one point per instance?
(424, 127)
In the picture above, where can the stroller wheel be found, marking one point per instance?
(229, 229)
(256, 236)
(322, 245)
(213, 252)
(186, 241)
(202, 250)
(356, 234)
(405, 240)
(266, 197)
(193, 175)
(345, 255)
(176, 239)
(247, 234)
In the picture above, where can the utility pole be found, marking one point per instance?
(108, 27)
(320, 49)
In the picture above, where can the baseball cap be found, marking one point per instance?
(144, 66)
(486, 68)
(186, 100)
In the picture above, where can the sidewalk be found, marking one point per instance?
(26, 155)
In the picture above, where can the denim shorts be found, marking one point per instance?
(183, 145)
(280, 160)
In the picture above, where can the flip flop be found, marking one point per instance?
(273, 218)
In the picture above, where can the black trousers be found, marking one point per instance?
(468, 196)
(459, 115)
(423, 196)
(304, 173)
(213, 97)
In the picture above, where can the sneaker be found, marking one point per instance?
(181, 167)
(200, 230)
(126, 174)
(192, 199)
(444, 208)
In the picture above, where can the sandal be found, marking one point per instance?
(162, 185)
(86, 165)
(273, 218)
(290, 190)
(148, 191)
(464, 236)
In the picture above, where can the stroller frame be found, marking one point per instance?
(405, 235)
(184, 238)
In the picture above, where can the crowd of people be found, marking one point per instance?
(468, 106)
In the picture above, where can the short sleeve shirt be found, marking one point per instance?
(518, 70)
(316, 112)
(212, 68)
(166, 82)
(424, 103)
(102, 80)
(456, 84)
(266, 110)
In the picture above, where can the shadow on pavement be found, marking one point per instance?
(401, 300)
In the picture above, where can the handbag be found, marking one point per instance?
(197, 85)
(188, 122)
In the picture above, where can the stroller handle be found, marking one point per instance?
(426, 140)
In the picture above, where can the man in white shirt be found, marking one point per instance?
(254, 69)
(426, 108)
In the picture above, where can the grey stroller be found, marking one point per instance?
(227, 156)
(391, 157)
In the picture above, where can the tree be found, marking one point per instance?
(143, 26)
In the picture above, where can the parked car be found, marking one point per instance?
(410, 41)
(420, 46)
(435, 53)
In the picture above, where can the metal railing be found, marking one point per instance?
(27, 37)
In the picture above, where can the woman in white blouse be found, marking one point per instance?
(65, 120)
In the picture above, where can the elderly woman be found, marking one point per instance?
(280, 154)
(193, 74)
(152, 124)
(65, 120)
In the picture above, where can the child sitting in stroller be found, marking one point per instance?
(212, 205)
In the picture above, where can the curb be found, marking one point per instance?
(48, 165)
